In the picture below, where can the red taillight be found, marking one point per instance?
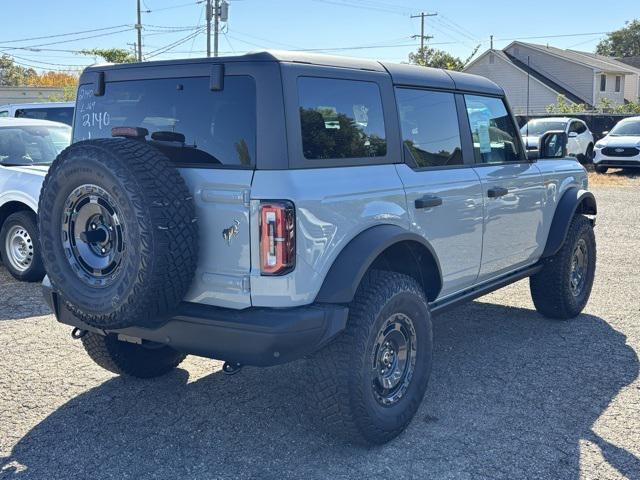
(277, 237)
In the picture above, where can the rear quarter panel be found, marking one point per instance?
(333, 205)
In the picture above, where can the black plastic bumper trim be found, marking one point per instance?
(253, 336)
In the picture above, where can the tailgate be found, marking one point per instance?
(222, 208)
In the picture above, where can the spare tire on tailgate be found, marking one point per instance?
(118, 233)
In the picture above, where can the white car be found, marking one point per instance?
(27, 148)
(53, 111)
(620, 148)
(580, 139)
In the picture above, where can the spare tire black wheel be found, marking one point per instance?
(118, 233)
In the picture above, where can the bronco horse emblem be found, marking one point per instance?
(232, 231)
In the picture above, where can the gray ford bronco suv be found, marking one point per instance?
(269, 207)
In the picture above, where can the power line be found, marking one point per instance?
(190, 4)
(64, 34)
(166, 48)
(32, 47)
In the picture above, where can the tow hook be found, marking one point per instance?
(231, 368)
(78, 333)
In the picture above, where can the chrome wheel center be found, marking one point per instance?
(19, 248)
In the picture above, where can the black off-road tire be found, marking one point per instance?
(130, 359)
(551, 287)
(27, 221)
(601, 169)
(157, 228)
(343, 397)
(587, 158)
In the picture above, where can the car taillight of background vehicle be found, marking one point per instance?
(277, 237)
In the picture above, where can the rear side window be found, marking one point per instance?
(341, 119)
(186, 120)
(54, 114)
(495, 137)
(430, 130)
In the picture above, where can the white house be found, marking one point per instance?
(540, 73)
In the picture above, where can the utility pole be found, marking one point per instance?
(139, 28)
(422, 36)
(216, 27)
(208, 13)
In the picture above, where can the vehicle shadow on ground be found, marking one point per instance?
(511, 394)
(20, 299)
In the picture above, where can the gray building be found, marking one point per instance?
(28, 94)
(541, 73)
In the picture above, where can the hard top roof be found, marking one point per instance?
(401, 74)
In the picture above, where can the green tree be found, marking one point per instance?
(624, 42)
(563, 105)
(12, 75)
(431, 57)
(111, 55)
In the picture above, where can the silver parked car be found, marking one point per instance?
(27, 148)
(620, 148)
(579, 137)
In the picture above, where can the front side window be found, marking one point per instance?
(340, 119)
(186, 120)
(430, 130)
(495, 137)
(32, 145)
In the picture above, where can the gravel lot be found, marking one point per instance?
(512, 395)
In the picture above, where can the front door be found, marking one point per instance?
(512, 189)
(444, 195)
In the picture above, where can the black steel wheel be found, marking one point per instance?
(367, 384)
(562, 288)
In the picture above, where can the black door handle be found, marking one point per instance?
(428, 201)
(496, 192)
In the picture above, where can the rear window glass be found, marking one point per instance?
(430, 131)
(186, 120)
(54, 114)
(341, 119)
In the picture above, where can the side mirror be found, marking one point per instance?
(572, 134)
(553, 144)
(533, 155)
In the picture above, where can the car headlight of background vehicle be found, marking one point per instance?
(599, 145)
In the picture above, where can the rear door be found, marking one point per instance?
(444, 194)
(512, 189)
(210, 135)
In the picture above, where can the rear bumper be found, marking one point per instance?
(254, 336)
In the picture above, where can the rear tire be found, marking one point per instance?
(561, 289)
(600, 169)
(363, 389)
(130, 359)
(20, 248)
(588, 156)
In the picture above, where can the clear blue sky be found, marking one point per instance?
(331, 25)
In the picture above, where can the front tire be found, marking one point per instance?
(561, 289)
(600, 169)
(19, 247)
(130, 359)
(369, 382)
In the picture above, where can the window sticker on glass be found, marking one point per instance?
(360, 115)
(483, 135)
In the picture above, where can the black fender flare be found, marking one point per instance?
(572, 201)
(351, 264)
